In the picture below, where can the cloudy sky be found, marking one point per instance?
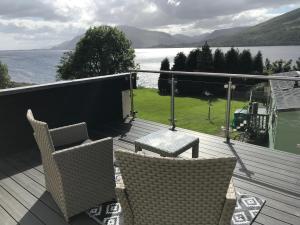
(29, 24)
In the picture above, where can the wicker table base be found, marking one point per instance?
(168, 143)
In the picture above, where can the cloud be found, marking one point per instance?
(35, 9)
(43, 22)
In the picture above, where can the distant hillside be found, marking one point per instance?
(142, 38)
(281, 30)
(194, 42)
(225, 32)
(68, 44)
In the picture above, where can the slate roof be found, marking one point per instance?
(286, 97)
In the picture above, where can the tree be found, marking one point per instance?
(179, 62)
(163, 85)
(219, 61)
(245, 62)
(280, 66)
(258, 65)
(103, 50)
(4, 77)
(267, 67)
(192, 59)
(165, 65)
(65, 68)
(231, 61)
(206, 59)
(297, 65)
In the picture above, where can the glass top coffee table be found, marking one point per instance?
(168, 143)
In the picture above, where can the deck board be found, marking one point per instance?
(269, 174)
(261, 169)
(5, 218)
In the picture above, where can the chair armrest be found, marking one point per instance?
(69, 134)
(124, 201)
(229, 205)
(87, 170)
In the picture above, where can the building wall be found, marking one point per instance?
(287, 134)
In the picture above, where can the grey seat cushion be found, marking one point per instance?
(58, 148)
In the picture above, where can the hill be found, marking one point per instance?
(142, 38)
(281, 30)
(67, 45)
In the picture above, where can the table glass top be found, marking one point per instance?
(167, 140)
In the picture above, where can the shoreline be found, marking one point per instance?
(156, 47)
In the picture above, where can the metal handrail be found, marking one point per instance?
(228, 75)
(229, 87)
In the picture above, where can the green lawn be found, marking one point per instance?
(190, 113)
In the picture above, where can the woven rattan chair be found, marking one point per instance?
(79, 173)
(173, 191)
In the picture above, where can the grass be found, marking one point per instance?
(190, 113)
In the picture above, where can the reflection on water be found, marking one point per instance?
(39, 66)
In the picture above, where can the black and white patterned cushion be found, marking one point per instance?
(247, 209)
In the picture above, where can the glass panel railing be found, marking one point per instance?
(201, 104)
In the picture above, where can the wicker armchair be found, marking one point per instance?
(77, 177)
(173, 191)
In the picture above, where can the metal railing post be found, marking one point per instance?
(228, 109)
(172, 115)
(132, 112)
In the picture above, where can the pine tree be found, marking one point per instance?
(165, 64)
(191, 60)
(163, 85)
(206, 59)
(245, 62)
(258, 65)
(219, 61)
(179, 62)
(231, 60)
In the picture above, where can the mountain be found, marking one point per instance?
(281, 30)
(66, 45)
(142, 38)
(222, 33)
(145, 38)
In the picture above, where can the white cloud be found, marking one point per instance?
(151, 8)
(174, 2)
(252, 17)
(43, 22)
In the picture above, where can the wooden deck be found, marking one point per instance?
(270, 174)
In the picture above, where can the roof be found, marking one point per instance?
(287, 98)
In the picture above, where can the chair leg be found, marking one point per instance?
(137, 148)
(195, 151)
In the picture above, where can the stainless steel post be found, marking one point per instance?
(132, 112)
(172, 103)
(228, 108)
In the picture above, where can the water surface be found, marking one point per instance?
(39, 66)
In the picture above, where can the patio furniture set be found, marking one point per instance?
(161, 189)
